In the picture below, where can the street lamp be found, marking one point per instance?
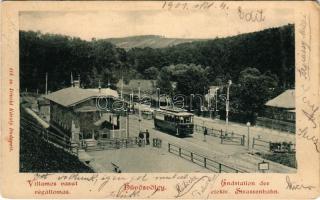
(227, 105)
(248, 125)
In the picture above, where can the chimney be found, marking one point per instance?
(109, 83)
(71, 80)
(77, 82)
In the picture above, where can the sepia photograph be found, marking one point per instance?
(124, 92)
(160, 100)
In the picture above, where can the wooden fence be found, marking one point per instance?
(202, 160)
(225, 138)
(49, 136)
(116, 143)
(260, 144)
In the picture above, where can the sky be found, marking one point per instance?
(113, 24)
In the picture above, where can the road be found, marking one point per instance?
(233, 155)
(141, 160)
(255, 131)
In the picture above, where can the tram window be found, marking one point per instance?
(171, 118)
(161, 116)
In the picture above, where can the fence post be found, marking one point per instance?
(243, 139)
(221, 136)
(205, 162)
(179, 151)
(219, 167)
(169, 147)
(191, 154)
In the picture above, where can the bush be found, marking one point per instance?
(288, 159)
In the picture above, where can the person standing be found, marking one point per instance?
(147, 137)
(205, 132)
(141, 137)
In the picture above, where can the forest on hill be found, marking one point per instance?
(152, 41)
(267, 50)
(260, 64)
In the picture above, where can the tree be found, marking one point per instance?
(164, 82)
(191, 79)
(254, 90)
(151, 73)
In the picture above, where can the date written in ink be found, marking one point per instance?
(171, 5)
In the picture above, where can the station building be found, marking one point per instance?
(280, 112)
(74, 111)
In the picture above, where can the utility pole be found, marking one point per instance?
(227, 105)
(139, 109)
(216, 102)
(121, 86)
(209, 103)
(46, 83)
(158, 92)
(131, 101)
(128, 124)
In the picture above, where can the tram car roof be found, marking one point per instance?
(176, 111)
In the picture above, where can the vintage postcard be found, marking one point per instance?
(160, 99)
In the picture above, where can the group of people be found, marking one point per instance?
(141, 137)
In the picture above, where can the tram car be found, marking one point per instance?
(173, 121)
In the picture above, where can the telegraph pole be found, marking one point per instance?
(46, 83)
(209, 103)
(158, 91)
(216, 109)
(127, 124)
(227, 106)
(121, 87)
(139, 109)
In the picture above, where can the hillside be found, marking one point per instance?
(152, 41)
(36, 155)
(102, 60)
